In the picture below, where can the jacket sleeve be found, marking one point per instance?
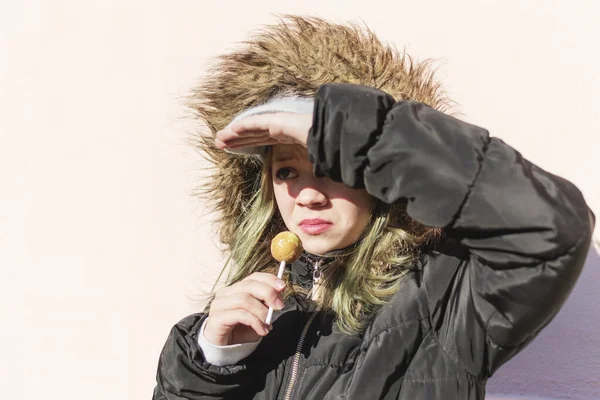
(526, 231)
(184, 373)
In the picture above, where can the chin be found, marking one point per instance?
(318, 246)
(318, 251)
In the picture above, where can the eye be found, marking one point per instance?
(285, 173)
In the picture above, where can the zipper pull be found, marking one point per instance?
(316, 279)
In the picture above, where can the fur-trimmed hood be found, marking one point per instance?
(292, 57)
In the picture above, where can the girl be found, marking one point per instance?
(433, 252)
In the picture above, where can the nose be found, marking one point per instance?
(311, 196)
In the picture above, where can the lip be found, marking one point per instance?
(315, 226)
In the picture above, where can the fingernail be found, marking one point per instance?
(279, 284)
(270, 327)
(279, 304)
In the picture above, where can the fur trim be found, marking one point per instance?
(292, 58)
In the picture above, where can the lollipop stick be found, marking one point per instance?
(279, 275)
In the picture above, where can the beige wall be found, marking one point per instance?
(102, 248)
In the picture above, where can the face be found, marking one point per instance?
(326, 215)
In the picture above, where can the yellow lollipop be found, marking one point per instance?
(286, 247)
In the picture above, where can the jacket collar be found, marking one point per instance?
(302, 269)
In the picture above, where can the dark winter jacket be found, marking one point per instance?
(515, 241)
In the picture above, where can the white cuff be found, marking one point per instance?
(224, 355)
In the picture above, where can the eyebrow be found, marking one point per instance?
(283, 157)
(286, 156)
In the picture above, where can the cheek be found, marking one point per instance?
(357, 217)
(284, 201)
(355, 207)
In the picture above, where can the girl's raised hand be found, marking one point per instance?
(265, 130)
(238, 312)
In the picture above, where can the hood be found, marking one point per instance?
(295, 56)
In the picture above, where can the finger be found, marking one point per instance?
(260, 122)
(247, 141)
(240, 143)
(259, 290)
(227, 134)
(241, 301)
(269, 279)
(229, 319)
(219, 144)
(244, 142)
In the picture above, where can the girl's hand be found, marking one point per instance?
(238, 312)
(265, 130)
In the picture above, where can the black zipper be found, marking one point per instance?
(295, 372)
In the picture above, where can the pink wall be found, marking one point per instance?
(102, 248)
(563, 361)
